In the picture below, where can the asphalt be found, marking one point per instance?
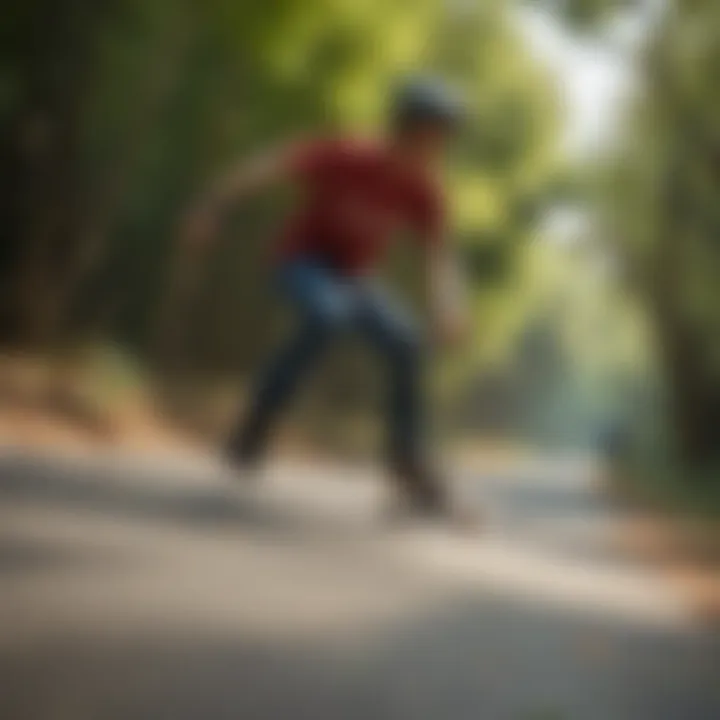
(136, 588)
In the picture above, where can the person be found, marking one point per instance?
(357, 194)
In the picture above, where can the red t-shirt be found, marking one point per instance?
(356, 196)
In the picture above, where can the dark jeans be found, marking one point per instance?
(328, 305)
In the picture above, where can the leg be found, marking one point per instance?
(324, 306)
(399, 343)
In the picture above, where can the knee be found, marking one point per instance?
(329, 321)
(406, 348)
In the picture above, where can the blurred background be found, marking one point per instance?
(139, 582)
(584, 198)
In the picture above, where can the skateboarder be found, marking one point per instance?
(356, 196)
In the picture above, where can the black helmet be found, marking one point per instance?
(427, 100)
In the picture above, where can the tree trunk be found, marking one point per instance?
(694, 391)
(56, 63)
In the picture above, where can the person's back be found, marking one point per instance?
(357, 196)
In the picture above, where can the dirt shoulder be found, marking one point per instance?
(685, 548)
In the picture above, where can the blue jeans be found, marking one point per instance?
(330, 304)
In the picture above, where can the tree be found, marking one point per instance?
(663, 209)
(133, 104)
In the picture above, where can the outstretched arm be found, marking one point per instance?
(205, 215)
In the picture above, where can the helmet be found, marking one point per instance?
(427, 100)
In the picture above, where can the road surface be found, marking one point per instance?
(149, 588)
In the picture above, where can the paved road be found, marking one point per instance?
(152, 588)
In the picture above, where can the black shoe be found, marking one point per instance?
(421, 486)
(243, 458)
(425, 496)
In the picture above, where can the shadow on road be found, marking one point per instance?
(150, 495)
(464, 659)
(109, 623)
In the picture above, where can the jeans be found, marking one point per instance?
(329, 304)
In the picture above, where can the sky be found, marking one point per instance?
(595, 75)
(596, 78)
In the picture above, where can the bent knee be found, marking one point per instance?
(406, 346)
(330, 320)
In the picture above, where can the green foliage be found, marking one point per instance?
(661, 209)
(586, 15)
(133, 105)
(174, 91)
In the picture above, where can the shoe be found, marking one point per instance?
(420, 485)
(244, 462)
(425, 495)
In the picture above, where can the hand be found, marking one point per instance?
(197, 230)
(451, 330)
